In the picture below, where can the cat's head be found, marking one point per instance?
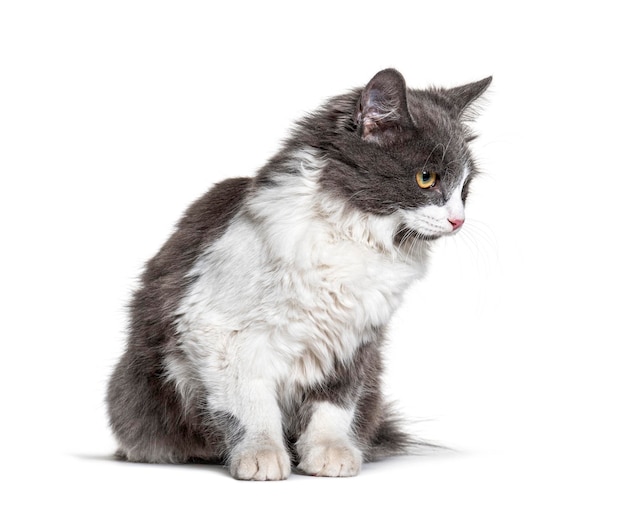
(402, 151)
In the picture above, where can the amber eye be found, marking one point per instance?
(426, 179)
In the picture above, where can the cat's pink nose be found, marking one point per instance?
(456, 223)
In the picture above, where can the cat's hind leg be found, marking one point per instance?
(150, 421)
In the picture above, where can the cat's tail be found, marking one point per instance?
(393, 439)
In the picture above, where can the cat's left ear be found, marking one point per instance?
(382, 110)
(463, 96)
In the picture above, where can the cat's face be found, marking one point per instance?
(406, 153)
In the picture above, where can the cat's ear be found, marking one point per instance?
(382, 109)
(463, 96)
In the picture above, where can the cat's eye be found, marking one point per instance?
(426, 179)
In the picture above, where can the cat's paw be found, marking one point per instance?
(331, 460)
(266, 463)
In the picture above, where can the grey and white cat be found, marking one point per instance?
(256, 334)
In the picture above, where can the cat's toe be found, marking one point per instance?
(332, 461)
(266, 464)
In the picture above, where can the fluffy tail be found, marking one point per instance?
(392, 439)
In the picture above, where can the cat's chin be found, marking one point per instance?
(408, 238)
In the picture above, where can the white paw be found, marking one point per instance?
(265, 463)
(331, 460)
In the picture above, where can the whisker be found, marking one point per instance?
(445, 150)
(482, 243)
(431, 153)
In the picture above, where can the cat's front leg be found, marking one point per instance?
(257, 450)
(327, 446)
(260, 459)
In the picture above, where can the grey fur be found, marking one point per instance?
(372, 138)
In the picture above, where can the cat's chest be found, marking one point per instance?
(348, 282)
(340, 301)
(292, 308)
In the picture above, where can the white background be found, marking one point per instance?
(115, 115)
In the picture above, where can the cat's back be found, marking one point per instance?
(166, 275)
(145, 413)
(203, 222)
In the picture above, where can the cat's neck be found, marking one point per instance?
(298, 214)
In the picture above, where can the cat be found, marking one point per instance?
(255, 336)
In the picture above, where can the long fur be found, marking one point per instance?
(257, 332)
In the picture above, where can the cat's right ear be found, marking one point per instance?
(382, 110)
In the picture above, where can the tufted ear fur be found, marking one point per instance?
(382, 110)
(463, 96)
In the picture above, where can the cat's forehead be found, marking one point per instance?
(439, 139)
(442, 152)
(430, 113)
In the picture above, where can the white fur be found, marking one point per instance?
(295, 282)
(326, 448)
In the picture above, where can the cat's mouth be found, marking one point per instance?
(406, 237)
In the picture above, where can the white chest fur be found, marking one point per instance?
(295, 283)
